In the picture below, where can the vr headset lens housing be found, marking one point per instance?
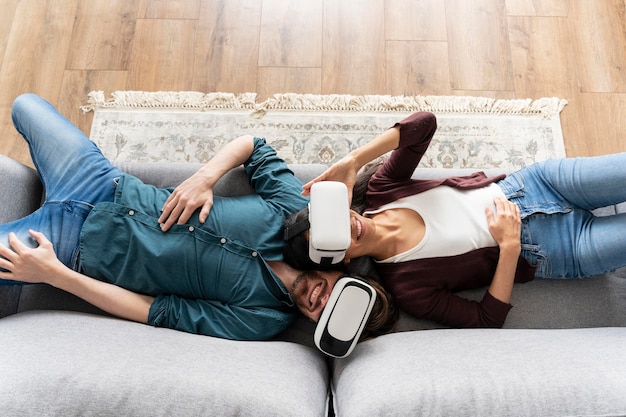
(344, 317)
(329, 219)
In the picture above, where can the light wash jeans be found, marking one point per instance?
(73, 171)
(559, 233)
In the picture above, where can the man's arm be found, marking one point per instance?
(40, 265)
(197, 190)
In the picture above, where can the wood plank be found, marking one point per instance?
(604, 123)
(227, 46)
(170, 9)
(162, 55)
(544, 68)
(291, 34)
(37, 47)
(541, 65)
(418, 20)
(479, 49)
(103, 34)
(599, 34)
(77, 84)
(275, 80)
(7, 19)
(537, 7)
(353, 47)
(417, 68)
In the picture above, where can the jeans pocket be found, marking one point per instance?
(512, 186)
(538, 259)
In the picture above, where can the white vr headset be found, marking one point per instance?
(344, 317)
(329, 222)
(351, 301)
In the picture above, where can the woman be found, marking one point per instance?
(433, 238)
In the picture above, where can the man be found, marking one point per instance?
(147, 254)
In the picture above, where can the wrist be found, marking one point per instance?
(510, 249)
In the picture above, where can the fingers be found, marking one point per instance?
(41, 239)
(10, 255)
(306, 188)
(170, 204)
(206, 210)
(6, 256)
(490, 216)
(17, 244)
(178, 210)
(505, 207)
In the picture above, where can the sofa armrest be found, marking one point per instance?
(22, 192)
(21, 189)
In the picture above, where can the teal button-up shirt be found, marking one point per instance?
(209, 278)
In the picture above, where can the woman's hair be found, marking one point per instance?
(296, 249)
(359, 191)
(384, 315)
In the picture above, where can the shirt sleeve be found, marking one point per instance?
(416, 133)
(271, 178)
(428, 288)
(214, 318)
(452, 310)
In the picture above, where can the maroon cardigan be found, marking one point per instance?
(425, 288)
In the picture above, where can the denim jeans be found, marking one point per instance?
(560, 235)
(73, 171)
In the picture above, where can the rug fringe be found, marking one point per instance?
(547, 107)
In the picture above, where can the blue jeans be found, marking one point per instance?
(74, 173)
(560, 235)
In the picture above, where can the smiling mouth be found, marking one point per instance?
(359, 228)
(315, 294)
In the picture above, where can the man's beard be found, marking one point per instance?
(299, 288)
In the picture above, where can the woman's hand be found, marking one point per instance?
(345, 170)
(505, 225)
(191, 194)
(25, 264)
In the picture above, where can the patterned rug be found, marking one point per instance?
(473, 132)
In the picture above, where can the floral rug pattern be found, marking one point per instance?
(478, 140)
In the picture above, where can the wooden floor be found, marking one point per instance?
(574, 49)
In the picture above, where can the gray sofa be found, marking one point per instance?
(562, 352)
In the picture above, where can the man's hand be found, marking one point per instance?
(193, 193)
(27, 264)
(197, 190)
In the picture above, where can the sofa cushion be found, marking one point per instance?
(77, 364)
(485, 372)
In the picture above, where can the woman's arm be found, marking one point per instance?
(505, 227)
(197, 190)
(40, 265)
(409, 139)
(345, 170)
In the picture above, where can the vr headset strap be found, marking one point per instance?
(296, 229)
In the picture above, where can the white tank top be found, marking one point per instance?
(455, 221)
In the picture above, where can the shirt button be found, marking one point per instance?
(223, 240)
(131, 212)
(191, 228)
(254, 254)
